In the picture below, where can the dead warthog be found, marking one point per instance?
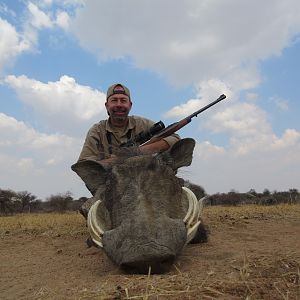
(142, 215)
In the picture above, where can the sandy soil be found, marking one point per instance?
(248, 256)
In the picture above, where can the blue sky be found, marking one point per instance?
(57, 58)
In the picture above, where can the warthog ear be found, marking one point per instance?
(182, 153)
(92, 173)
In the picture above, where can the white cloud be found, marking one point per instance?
(289, 138)
(51, 17)
(39, 19)
(206, 93)
(12, 44)
(220, 169)
(17, 134)
(280, 103)
(5, 10)
(223, 170)
(193, 40)
(207, 150)
(245, 123)
(249, 129)
(35, 161)
(64, 105)
(37, 16)
(46, 2)
(62, 20)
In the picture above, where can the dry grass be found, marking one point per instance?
(247, 276)
(254, 211)
(70, 223)
(52, 224)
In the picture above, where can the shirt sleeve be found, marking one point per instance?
(172, 139)
(92, 146)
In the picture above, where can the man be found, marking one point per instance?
(105, 137)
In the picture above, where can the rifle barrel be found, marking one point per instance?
(178, 125)
(222, 97)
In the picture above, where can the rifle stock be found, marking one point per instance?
(178, 125)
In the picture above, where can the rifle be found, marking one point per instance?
(158, 131)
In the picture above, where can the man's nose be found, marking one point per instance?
(119, 103)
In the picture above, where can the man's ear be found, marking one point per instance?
(92, 173)
(106, 107)
(180, 154)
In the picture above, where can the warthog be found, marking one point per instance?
(142, 215)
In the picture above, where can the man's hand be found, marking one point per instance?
(156, 147)
(109, 161)
(159, 146)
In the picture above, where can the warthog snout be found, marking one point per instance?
(137, 246)
(156, 264)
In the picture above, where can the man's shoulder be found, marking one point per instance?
(140, 119)
(98, 126)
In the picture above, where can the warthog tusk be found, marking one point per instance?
(94, 227)
(191, 219)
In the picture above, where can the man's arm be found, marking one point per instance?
(156, 147)
(92, 148)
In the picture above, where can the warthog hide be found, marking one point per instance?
(143, 206)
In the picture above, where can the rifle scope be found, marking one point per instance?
(144, 136)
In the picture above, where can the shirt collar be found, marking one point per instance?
(130, 125)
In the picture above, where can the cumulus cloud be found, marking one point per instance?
(64, 105)
(280, 103)
(39, 19)
(245, 123)
(5, 10)
(206, 92)
(43, 15)
(16, 135)
(249, 129)
(12, 44)
(37, 16)
(193, 40)
(36, 161)
(223, 170)
(51, 13)
(63, 20)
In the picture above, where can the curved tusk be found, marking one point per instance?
(192, 218)
(95, 230)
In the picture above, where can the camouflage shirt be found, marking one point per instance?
(102, 138)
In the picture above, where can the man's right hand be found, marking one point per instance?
(109, 161)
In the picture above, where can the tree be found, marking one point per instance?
(26, 199)
(266, 192)
(293, 195)
(7, 201)
(60, 202)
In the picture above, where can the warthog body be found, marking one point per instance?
(142, 207)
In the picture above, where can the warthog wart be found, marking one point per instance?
(140, 213)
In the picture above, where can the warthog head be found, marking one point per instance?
(142, 203)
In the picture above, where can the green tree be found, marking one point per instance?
(7, 199)
(60, 202)
(26, 199)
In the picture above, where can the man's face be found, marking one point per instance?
(118, 107)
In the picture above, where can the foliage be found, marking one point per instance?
(60, 202)
(12, 202)
(252, 197)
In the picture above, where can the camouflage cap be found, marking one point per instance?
(117, 88)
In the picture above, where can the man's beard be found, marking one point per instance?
(119, 118)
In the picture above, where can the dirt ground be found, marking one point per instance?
(251, 254)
